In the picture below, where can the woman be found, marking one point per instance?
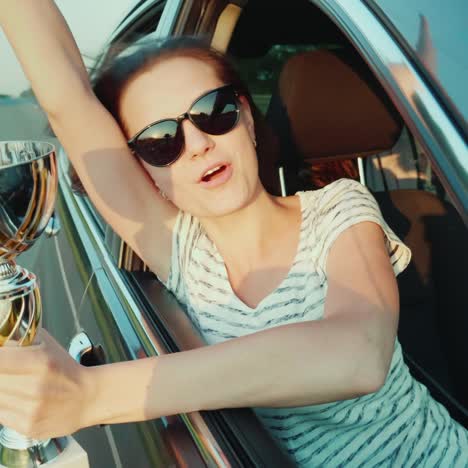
(284, 290)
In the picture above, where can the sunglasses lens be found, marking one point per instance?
(161, 144)
(217, 112)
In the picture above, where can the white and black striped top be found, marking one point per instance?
(400, 425)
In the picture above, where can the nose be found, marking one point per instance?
(197, 143)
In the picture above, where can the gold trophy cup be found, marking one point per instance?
(28, 188)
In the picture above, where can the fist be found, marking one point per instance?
(43, 391)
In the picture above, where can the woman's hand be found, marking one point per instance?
(43, 391)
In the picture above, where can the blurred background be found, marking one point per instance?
(91, 23)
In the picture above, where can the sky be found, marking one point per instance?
(91, 22)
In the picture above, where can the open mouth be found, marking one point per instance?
(213, 173)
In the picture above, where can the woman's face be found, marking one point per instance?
(166, 91)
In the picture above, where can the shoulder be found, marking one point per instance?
(185, 224)
(341, 204)
(185, 237)
(346, 203)
(342, 190)
(335, 188)
(341, 194)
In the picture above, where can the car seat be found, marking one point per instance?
(329, 108)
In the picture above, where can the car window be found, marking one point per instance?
(261, 51)
(142, 29)
(307, 125)
(129, 35)
(433, 34)
(433, 300)
(262, 73)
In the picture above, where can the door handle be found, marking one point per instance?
(82, 350)
(53, 226)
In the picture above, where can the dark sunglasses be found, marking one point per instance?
(161, 143)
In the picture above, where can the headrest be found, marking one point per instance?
(335, 107)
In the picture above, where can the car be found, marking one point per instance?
(367, 89)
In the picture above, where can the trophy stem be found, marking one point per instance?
(18, 451)
(7, 269)
(13, 440)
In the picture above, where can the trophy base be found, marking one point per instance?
(62, 452)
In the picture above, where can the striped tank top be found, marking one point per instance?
(400, 425)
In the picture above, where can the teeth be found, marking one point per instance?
(212, 170)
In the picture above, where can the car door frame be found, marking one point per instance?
(151, 320)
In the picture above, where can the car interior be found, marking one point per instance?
(326, 116)
(326, 112)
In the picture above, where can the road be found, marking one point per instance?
(22, 119)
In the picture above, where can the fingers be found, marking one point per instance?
(16, 386)
(21, 359)
(22, 423)
(16, 359)
(19, 414)
(10, 419)
(37, 419)
(40, 388)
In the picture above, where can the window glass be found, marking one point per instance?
(435, 33)
(143, 28)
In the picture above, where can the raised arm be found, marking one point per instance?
(118, 186)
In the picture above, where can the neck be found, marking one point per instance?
(247, 236)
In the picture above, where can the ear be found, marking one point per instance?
(247, 116)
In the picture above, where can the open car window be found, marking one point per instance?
(411, 177)
(140, 26)
(418, 178)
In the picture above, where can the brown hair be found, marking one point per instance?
(111, 80)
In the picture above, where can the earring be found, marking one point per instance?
(163, 195)
(255, 142)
